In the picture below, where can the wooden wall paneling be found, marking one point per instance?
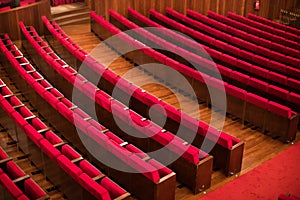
(9, 24)
(139, 6)
(100, 7)
(30, 15)
(221, 7)
(213, 6)
(180, 6)
(148, 5)
(195, 5)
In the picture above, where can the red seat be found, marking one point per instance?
(278, 78)
(93, 187)
(70, 168)
(48, 149)
(114, 190)
(278, 92)
(69, 152)
(279, 109)
(89, 169)
(257, 100)
(32, 190)
(13, 170)
(10, 186)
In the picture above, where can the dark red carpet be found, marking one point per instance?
(278, 175)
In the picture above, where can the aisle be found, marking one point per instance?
(278, 175)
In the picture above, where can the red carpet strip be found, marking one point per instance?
(278, 175)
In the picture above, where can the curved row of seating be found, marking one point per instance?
(79, 169)
(193, 158)
(274, 24)
(142, 101)
(193, 46)
(238, 100)
(98, 129)
(224, 47)
(289, 37)
(234, 77)
(282, 53)
(15, 183)
(252, 53)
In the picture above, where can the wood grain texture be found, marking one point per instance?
(269, 8)
(29, 14)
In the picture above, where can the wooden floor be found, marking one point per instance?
(258, 147)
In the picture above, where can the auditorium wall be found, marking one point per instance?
(268, 8)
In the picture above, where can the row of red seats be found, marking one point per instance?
(145, 98)
(74, 115)
(232, 50)
(14, 180)
(188, 154)
(88, 88)
(244, 81)
(281, 50)
(69, 110)
(258, 72)
(265, 28)
(274, 24)
(62, 2)
(274, 109)
(252, 52)
(22, 3)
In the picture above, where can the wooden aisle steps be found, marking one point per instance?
(71, 14)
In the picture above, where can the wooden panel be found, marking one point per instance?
(30, 15)
(268, 8)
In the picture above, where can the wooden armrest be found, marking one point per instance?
(43, 130)
(5, 160)
(30, 117)
(49, 88)
(96, 178)
(60, 97)
(124, 144)
(21, 178)
(146, 158)
(26, 63)
(31, 71)
(18, 106)
(73, 107)
(59, 144)
(77, 159)
(8, 95)
(104, 131)
(65, 66)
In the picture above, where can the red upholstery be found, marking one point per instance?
(93, 187)
(257, 100)
(69, 152)
(48, 149)
(89, 169)
(7, 183)
(70, 168)
(13, 171)
(113, 189)
(32, 190)
(279, 109)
